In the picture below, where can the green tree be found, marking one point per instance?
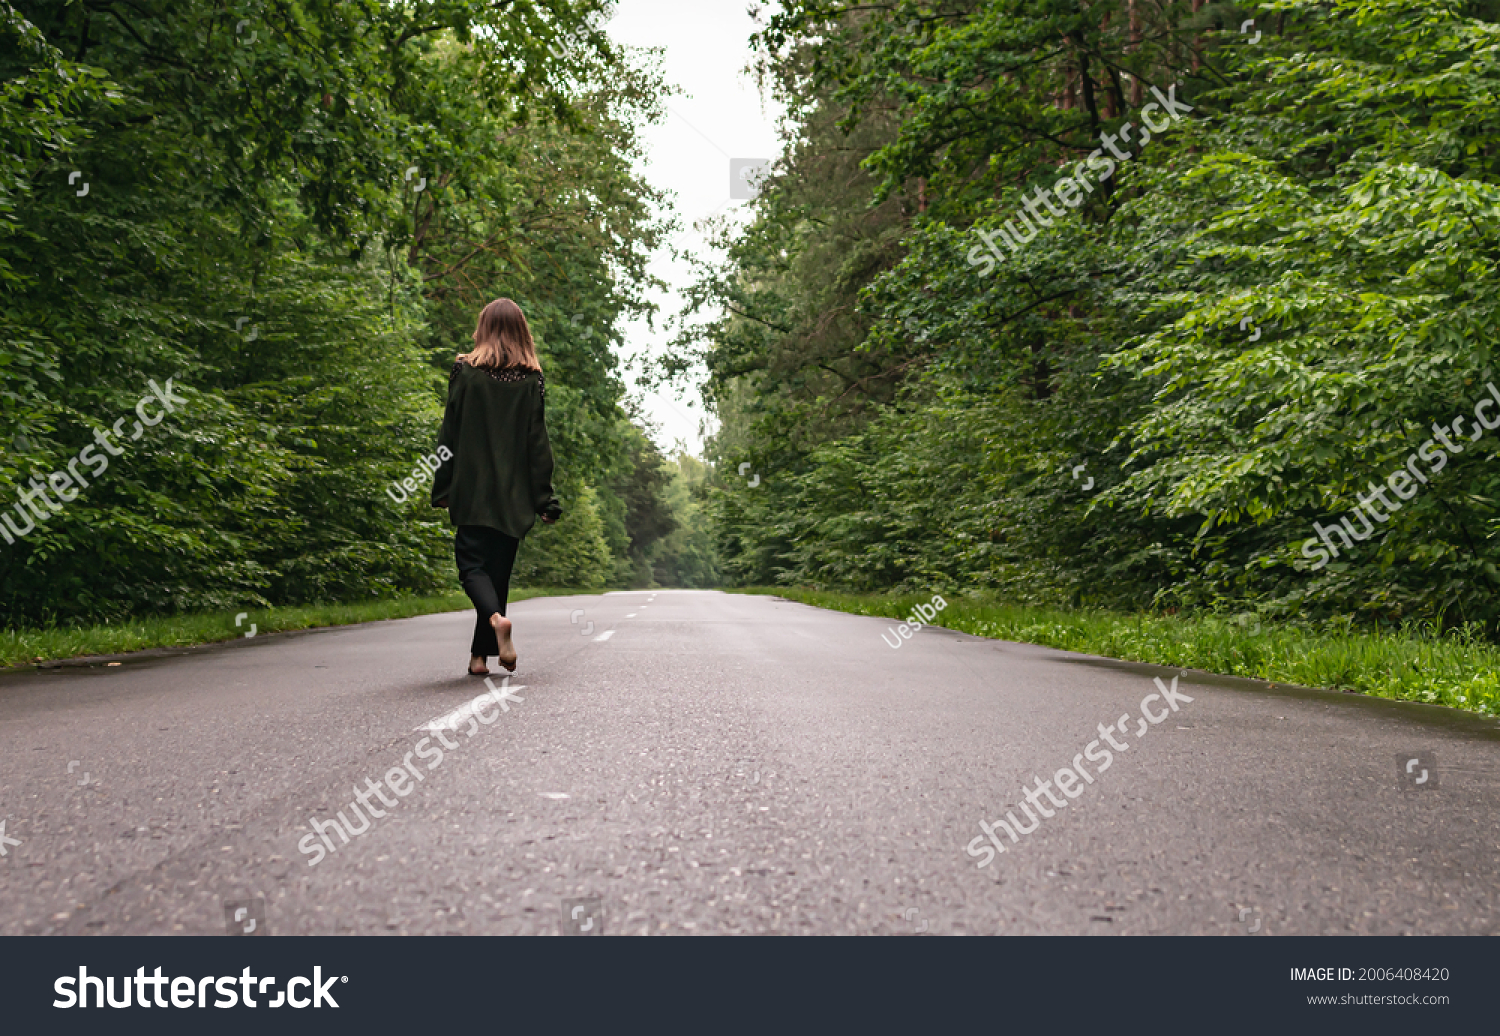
(295, 213)
(1088, 420)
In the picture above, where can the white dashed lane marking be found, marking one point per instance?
(604, 636)
(452, 720)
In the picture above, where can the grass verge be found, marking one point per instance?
(1411, 664)
(27, 646)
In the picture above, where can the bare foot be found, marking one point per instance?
(507, 656)
(477, 666)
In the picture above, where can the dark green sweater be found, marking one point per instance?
(500, 474)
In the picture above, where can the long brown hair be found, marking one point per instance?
(502, 338)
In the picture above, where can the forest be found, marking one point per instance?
(1124, 304)
(293, 211)
(1129, 304)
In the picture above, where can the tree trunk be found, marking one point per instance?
(1135, 46)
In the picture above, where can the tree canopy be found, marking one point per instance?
(1230, 339)
(294, 210)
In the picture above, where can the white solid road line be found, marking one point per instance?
(604, 636)
(451, 720)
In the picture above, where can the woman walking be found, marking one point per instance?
(499, 477)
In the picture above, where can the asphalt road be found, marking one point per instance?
(726, 764)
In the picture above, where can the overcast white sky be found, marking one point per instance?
(719, 117)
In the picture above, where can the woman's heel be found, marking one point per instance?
(507, 655)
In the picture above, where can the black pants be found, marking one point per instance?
(485, 558)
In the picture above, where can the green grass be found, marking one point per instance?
(25, 646)
(1461, 671)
